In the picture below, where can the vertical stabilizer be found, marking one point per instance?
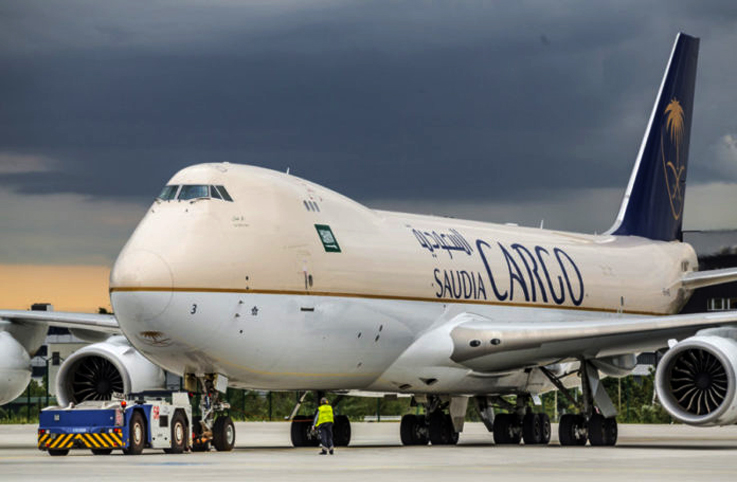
(653, 203)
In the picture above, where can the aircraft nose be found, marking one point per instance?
(140, 285)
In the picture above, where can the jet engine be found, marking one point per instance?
(15, 368)
(97, 371)
(695, 381)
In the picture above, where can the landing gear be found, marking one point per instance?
(208, 430)
(436, 427)
(301, 431)
(413, 430)
(223, 434)
(441, 429)
(341, 431)
(602, 431)
(599, 428)
(572, 429)
(507, 429)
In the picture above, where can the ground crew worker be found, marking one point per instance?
(324, 423)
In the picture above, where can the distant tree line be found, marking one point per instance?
(633, 396)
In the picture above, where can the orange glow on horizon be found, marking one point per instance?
(68, 288)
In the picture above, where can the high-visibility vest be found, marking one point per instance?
(325, 414)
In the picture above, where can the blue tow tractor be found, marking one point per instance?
(158, 420)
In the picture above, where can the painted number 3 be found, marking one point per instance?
(193, 310)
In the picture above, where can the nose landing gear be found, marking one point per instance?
(215, 427)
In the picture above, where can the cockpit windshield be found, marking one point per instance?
(188, 192)
(169, 192)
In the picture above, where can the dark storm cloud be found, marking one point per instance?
(376, 99)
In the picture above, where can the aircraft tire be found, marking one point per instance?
(223, 434)
(531, 429)
(341, 431)
(544, 428)
(572, 430)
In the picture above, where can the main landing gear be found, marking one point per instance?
(436, 426)
(301, 428)
(215, 427)
(598, 427)
(520, 424)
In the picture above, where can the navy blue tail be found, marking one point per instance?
(653, 203)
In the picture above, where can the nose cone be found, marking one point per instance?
(140, 285)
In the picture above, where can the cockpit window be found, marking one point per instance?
(224, 193)
(168, 193)
(214, 193)
(190, 191)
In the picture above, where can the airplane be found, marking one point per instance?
(246, 277)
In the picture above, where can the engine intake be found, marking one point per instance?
(97, 371)
(696, 381)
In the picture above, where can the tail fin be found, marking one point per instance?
(653, 203)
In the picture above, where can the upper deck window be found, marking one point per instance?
(193, 191)
(168, 193)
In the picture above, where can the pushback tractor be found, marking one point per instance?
(157, 420)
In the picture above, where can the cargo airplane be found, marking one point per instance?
(245, 277)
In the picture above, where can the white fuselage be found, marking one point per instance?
(260, 291)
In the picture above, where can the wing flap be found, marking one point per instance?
(87, 321)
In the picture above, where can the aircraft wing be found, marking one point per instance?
(487, 345)
(85, 321)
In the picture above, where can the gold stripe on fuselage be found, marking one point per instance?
(124, 289)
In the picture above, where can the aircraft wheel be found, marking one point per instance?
(596, 430)
(341, 431)
(611, 431)
(413, 430)
(223, 434)
(544, 428)
(507, 429)
(441, 429)
(531, 429)
(572, 430)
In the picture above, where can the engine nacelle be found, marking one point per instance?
(97, 371)
(15, 368)
(696, 381)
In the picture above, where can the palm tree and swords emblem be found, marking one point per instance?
(674, 171)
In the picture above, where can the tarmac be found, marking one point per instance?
(263, 452)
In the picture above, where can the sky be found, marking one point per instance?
(525, 111)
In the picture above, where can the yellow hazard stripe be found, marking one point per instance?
(62, 442)
(42, 439)
(118, 439)
(108, 441)
(86, 440)
(99, 441)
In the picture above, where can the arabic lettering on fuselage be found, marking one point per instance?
(434, 241)
(533, 273)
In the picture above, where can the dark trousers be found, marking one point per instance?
(326, 435)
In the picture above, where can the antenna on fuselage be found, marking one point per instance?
(287, 171)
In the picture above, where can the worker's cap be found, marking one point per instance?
(323, 400)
